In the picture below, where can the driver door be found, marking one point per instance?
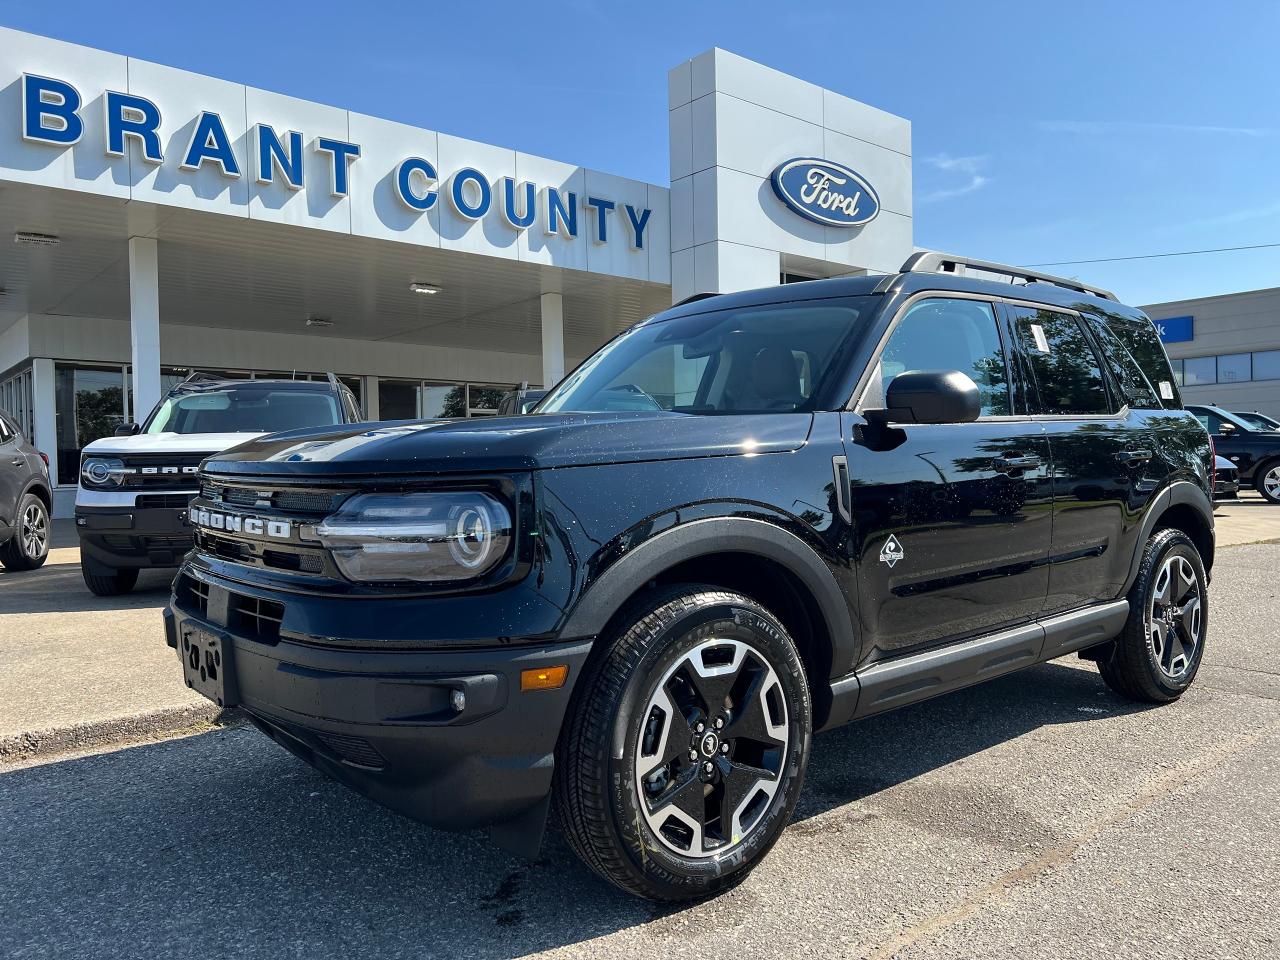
(951, 522)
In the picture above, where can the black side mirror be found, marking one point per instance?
(931, 396)
(128, 429)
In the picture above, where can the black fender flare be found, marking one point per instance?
(697, 538)
(1178, 493)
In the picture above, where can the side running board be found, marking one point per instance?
(896, 683)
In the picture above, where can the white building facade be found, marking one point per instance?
(165, 222)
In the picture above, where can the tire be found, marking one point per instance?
(1150, 660)
(28, 549)
(112, 584)
(612, 811)
(1268, 475)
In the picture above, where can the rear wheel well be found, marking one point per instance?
(1189, 520)
(775, 588)
(39, 490)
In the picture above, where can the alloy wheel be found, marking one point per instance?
(1174, 619)
(1271, 482)
(35, 531)
(711, 748)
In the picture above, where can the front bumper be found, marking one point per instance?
(115, 538)
(386, 722)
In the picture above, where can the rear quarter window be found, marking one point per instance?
(1137, 357)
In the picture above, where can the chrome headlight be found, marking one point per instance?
(417, 537)
(102, 472)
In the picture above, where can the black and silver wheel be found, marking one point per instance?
(1157, 655)
(686, 749)
(1268, 481)
(29, 546)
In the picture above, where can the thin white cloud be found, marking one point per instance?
(1262, 211)
(1103, 127)
(969, 166)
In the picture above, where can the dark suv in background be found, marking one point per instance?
(25, 500)
(745, 520)
(1255, 451)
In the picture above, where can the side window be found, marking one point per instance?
(5, 433)
(1067, 373)
(946, 334)
(1135, 388)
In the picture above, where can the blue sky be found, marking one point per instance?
(1042, 132)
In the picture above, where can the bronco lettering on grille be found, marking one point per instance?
(237, 523)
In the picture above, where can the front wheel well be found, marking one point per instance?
(775, 588)
(1189, 520)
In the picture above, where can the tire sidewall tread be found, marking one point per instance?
(595, 790)
(1131, 670)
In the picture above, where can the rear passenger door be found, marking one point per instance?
(1100, 450)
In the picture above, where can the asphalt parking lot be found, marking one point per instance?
(1036, 816)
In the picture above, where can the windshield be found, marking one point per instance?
(1259, 421)
(244, 409)
(766, 359)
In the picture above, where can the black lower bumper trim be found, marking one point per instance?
(116, 538)
(445, 737)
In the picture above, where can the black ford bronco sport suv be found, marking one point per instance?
(746, 519)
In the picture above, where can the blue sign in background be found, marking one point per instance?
(1176, 329)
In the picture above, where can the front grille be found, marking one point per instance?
(319, 502)
(298, 560)
(161, 471)
(162, 501)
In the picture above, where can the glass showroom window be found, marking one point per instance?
(484, 399)
(1266, 365)
(443, 400)
(15, 399)
(1234, 367)
(1198, 370)
(89, 403)
(1177, 371)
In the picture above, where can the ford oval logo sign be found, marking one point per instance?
(825, 192)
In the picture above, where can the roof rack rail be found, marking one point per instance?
(200, 376)
(928, 261)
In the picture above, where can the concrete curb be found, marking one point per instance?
(32, 745)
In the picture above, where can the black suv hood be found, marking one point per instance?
(510, 443)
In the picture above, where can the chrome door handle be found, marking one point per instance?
(1131, 457)
(1015, 464)
(18, 462)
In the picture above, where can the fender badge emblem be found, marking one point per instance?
(892, 551)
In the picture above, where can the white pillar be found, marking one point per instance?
(371, 399)
(144, 324)
(44, 403)
(552, 339)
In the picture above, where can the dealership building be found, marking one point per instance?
(164, 222)
(1225, 349)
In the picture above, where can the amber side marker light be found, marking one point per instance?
(544, 678)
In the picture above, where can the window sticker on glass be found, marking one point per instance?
(1042, 342)
(1166, 390)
